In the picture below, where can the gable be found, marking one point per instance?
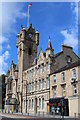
(41, 57)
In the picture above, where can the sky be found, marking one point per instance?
(57, 20)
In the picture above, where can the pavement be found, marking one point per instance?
(25, 117)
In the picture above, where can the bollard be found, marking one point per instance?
(75, 115)
(28, 114)
(78, 115)
(48, 114)
(43, 114)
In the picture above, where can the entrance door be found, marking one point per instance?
(35, 105)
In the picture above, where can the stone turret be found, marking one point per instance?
(49, 49)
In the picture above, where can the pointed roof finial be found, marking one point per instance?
(40, 48)
(49, 46)
(49, 38)
(21, 27)
(12, 61)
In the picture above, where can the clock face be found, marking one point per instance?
(30, 35)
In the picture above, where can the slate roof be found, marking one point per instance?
(66, 67)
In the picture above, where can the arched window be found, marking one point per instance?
(29, 51)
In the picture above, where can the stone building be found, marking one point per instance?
(30, 84)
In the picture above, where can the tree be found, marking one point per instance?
(2, 91)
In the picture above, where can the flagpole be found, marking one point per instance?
(28, 17)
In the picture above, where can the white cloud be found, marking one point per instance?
(10, 14)
(8, 46)
(70, 38)
(71, 35)
(3, 63)
(3, 39)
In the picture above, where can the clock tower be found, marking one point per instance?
(27, 42)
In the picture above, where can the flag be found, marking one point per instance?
(30, 5)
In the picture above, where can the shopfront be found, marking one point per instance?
(59, 106)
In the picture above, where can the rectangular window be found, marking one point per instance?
(39, 103)
(43, 67)
(10, 86)
(43, 103)
(25, 75)
(75, 90)
(63, 91)
(36, 70)
(33, 72)
(54, 78)
(54, 92)
(40, 70)
(63, 76)
(36, 85)
(39, 84)
(43, 84)
(30, 74)
(74, 73)
(24, 89)
(27, 88)
(24, 104)
(32, 87)
(47, 82)
(29, 104)
(47, 66)
(32, 104)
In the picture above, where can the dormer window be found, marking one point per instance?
(68, 59)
